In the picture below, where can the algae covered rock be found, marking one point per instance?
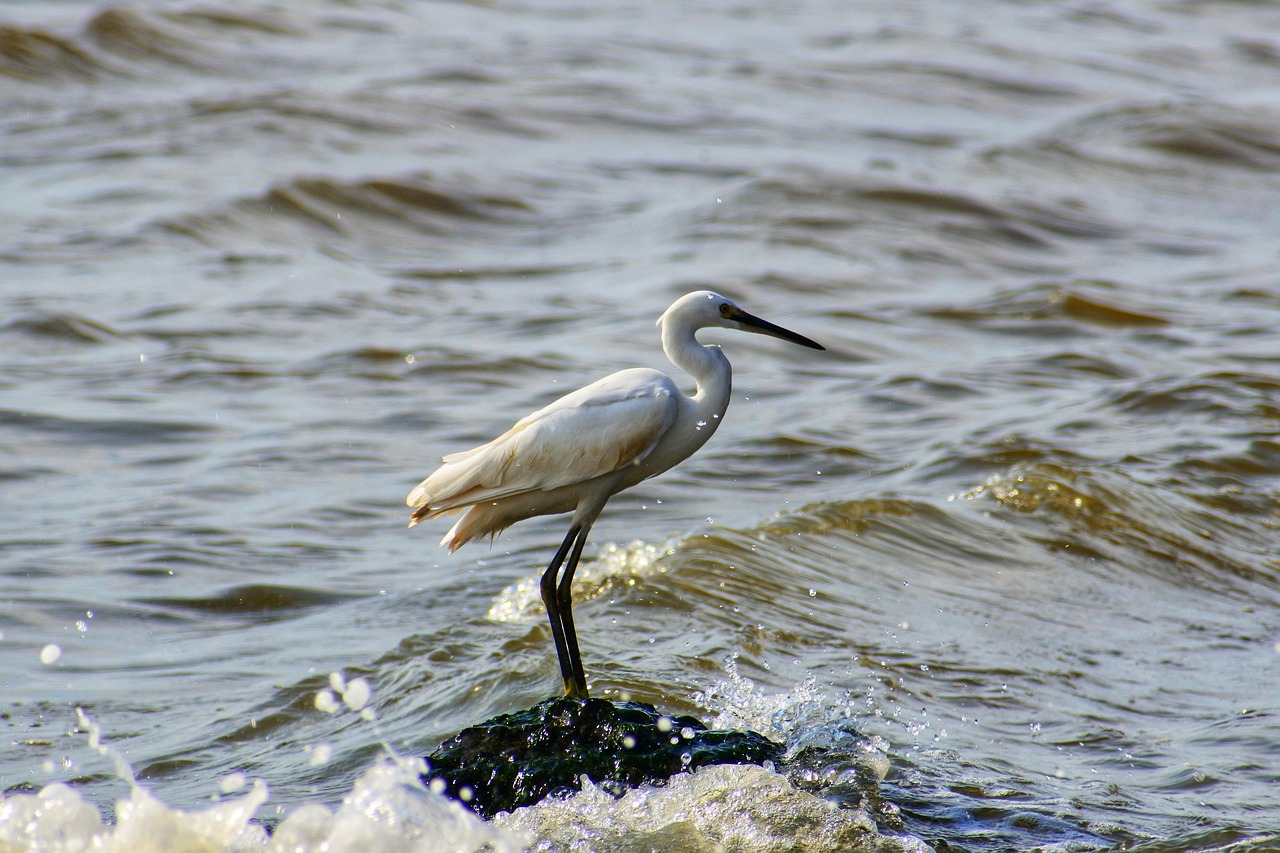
(518, 759)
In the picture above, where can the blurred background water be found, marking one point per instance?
(262, 264)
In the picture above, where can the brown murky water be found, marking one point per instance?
(262, 264)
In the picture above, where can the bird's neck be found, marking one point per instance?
(706, 364)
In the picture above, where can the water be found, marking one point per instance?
(262, 265)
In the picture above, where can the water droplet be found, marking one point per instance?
(320, 754)
(357, 694)
(326, 701)
(232, 782)
(50, 653)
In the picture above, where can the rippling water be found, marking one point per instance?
(261, 265)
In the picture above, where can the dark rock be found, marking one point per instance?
(517, 759)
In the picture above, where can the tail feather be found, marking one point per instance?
(477, 521)
(462, 479)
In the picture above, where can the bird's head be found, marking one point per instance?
(704, 308)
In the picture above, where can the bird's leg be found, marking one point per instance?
(575, 682)
(553, 606)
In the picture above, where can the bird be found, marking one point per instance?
(574, 454)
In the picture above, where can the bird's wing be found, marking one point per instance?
(591, 432)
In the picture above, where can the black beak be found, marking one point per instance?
(752, 323)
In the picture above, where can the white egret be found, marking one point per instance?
(575, 454)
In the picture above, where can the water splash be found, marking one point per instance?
(389, 809)
(740, 703)
(57, 819)
(726, 807)
(621, 565)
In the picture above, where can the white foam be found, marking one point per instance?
(725, 807)
(614, 565)
(389, 810)
(58, 820)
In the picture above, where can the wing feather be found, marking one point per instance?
(594, 431)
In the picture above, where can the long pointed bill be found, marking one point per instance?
(752, 323)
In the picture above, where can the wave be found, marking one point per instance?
(1056, 309)
(840, 215)
(61, 326)
(135, 35)
(1123, 524)
(1163, 138)
(400, 211)
(924, 82)
(1005, 220)
(104, 432)
(33, 54)
(252, 602)
(123, 41)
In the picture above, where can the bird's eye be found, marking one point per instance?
(724, 309)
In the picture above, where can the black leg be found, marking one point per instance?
(577, 685)
(553, 608)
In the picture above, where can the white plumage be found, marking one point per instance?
(595, 431)
(579, 451)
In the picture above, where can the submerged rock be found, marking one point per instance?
(518, 759)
